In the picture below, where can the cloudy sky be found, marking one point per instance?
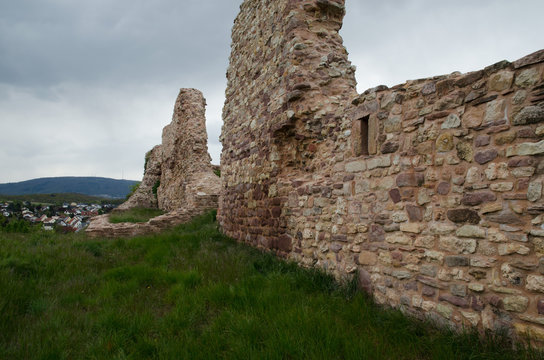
(87, 86)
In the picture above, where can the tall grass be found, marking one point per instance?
(191, 293)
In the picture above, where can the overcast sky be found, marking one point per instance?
(87, 86)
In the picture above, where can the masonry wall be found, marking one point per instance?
(430, 191)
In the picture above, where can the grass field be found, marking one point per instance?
(134, 215)
(191, 293)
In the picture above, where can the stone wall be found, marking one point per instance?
(430, 191)
(179, 177)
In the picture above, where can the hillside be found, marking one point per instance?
(94, 186)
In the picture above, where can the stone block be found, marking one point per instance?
(525, 149)
(485, 156)
(410, 179)
(471, 231)
(463, 216)
(444, 142)
(515, 303)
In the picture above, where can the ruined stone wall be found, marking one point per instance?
(288, 81)
(179, 177)
(430, 191)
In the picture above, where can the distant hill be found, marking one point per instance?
(94, 186)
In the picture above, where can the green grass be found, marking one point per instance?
(135, 215)
(191, 293)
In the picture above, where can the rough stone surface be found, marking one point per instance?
(144, 195)
(399, 208)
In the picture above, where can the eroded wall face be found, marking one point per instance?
(287, 81)
(430, 191)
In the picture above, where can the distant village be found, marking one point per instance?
(71, 217)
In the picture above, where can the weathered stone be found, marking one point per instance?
(376, 234)
(535, 283)
(501, 81)
(410, 179)
(540, 306)
(486, 156)
(478, 198)
(471, 231)
(464, 151)
(356, 166)
(534, 191)
(392, 124)
(525, 149)
(506, 138)
(368, 258)
(451, 122)
(497, 171)
(411, 227)
(513, 248)
(389, 147)
(458, 290)
(444, 142)
(515, 303)
(482, 140)
(394, 194)
(495, 110)
(502, 186)
(529, 115)
(454, 300)
(522, 161)
(456, 245)
(443, 188)
(456, 260)
(415, 213)
(428, 88)
(527, 77)
(463, 215)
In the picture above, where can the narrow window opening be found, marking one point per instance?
(364, 135)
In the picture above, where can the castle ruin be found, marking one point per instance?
(430, 191)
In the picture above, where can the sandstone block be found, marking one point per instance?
(529, 115)
(527, 77)
(456, 245)
(535, 283)
(501, 81)
(471, 231)
(356, 166)
(411, 227)
(525, 149)
(452, 121)
(444, 142)
(368, 258)
(534, 191)
(515, 303)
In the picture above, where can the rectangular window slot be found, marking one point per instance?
(364, 135)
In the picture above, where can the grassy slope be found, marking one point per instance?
(192, 293)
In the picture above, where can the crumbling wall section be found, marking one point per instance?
(145, 196)
(179, 177)
(288, 80)
(430, 191)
